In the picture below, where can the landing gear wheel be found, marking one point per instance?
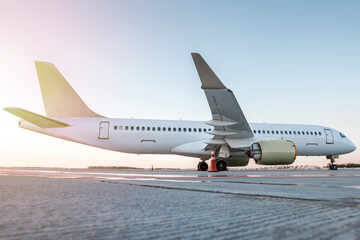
(331, 165)
(221, 165)
(202, 166)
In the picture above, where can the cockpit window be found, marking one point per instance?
(342, 135)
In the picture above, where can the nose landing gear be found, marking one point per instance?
(331, 165)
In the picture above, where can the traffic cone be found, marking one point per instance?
(213, 162)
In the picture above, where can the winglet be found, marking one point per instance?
(36, 119)
(208, 78)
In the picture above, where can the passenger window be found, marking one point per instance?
(272, 132)
(268, 132)
(299, 133)
(169, 129)
(209, 129)
(127, 128)
(303, 133)
(254, 131)
(153, 128)
(159, 129)
(179, 129)
(164, 129)
(277, 132)
(143, 128)
(132, 128)
(115, 127)
(315, 133)
(138, 128)
(184, 129)
(189, 129)
(148, 128)
(311, 133)
(174, 129)
(120, 127)
(263, 131)
(259, 132)
(290, 132)
(194, 129)
(199, 129)
(320, 133)
(307, 133)
(286, 132)
(281, 132)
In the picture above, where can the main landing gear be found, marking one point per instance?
(331, 165)
(202, 166)
(220, 165)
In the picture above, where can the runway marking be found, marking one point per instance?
(173, 180)
(65, 177)
(146, 179)
(129, 174)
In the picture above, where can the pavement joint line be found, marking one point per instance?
(343, 204)
(285, 184)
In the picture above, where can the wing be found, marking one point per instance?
(227, 117)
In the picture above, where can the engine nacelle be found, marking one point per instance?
(273, 152)
(236, 161)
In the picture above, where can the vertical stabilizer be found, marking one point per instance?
(60, 99)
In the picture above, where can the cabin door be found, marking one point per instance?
(329, 136)
(104, 130)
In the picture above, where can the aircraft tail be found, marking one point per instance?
(60, 99)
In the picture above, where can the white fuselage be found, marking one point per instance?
(187, 138)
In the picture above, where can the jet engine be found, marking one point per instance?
(236, 161)
(273, 152)
(233, 157)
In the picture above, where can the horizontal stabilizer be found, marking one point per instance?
(36, 119)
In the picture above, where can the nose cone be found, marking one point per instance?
(351, 146)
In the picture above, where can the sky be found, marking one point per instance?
(286, 62)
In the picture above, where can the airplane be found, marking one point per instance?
(233, 140)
